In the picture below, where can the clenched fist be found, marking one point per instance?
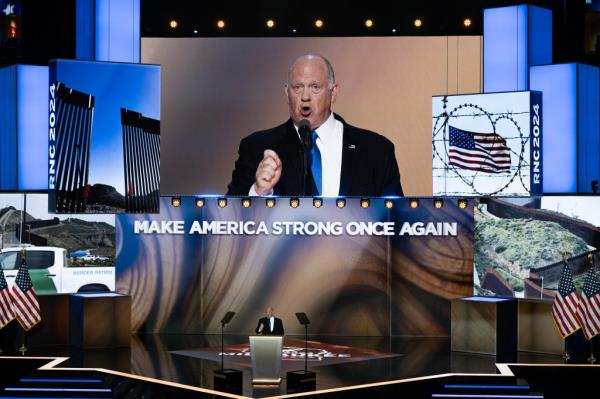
(268, 173)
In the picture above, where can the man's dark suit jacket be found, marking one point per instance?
(369, 166)
(277, 327)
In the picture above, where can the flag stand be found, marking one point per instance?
(566, 356)
(23, 348)
(592, 358)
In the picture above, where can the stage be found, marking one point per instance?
(343, 361)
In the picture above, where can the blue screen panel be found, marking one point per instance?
(84, 38)
(118, 30)
(588, 117)
(32, 125)
(8, 128)
(504, 49)
(558, 84)
(540, 36)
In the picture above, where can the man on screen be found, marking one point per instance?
(341, 159)
(269, 325)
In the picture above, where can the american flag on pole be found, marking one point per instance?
(566, 301)
(7, 312)
(482, 152)
(26, 305)
(588, 311)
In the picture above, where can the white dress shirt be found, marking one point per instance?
(330, 142)
(272, 323)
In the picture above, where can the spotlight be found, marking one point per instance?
(414, 203)
(467, 22)
(418, 23)
(293, 30)
(220, 24)
(246, 202)
(394, 30)
(294, 202)
(176, 201)
(463, 203)
(173, 24)
(364, 203)
(270, 202)
(340, 203)
(222, 202)
(199, 202)
(317, 202)
(438, 203)
(319, 23)
(369, 23)
(270, 23)
(195, 31)
(389, 204)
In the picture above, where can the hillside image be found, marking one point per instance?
(522, 255)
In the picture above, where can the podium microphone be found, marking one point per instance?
(304, 131)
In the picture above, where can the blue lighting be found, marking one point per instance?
(486, 386)
(13, 389)
(57, 380)
(8, 128)
(588, 132)
(486, 299)
(514, 38)
(32, 125)
(462, 395)
(558, 83)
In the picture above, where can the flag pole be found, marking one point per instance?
(592, 358)
(23, 348)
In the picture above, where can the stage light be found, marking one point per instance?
(246, 202)
(467, 22)
(317, 202)
(293, 30)
(319, 23)
(220, 24)
(393, 30)
(364, 203)
(389, 204)
(463, 203)
(418, 23)
(438, 203)
(199, 202)
(369, 23)
(222, 202)
(176, 201)
(195, 31)
(340, 203)
(270, 202)
(173, 24)
(294, 202)
(270, 23)
(414, 203)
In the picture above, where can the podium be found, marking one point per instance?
(266, 359)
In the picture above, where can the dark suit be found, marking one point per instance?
(369, 166)
(277, 327)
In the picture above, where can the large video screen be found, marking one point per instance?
(65, 254)
(104, 137)
(216, 91)
(521, 245)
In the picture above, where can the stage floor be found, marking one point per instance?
(191, 359)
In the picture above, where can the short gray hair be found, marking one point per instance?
(313, 56)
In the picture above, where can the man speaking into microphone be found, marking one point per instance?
(269, 325)
(315, 153)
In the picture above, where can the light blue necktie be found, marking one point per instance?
(315, 162)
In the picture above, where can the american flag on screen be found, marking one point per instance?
(7, 313)
(588, 311)
(482, 152)
(566, 301)
(26, 305)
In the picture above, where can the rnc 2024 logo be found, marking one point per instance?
(487, 144)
